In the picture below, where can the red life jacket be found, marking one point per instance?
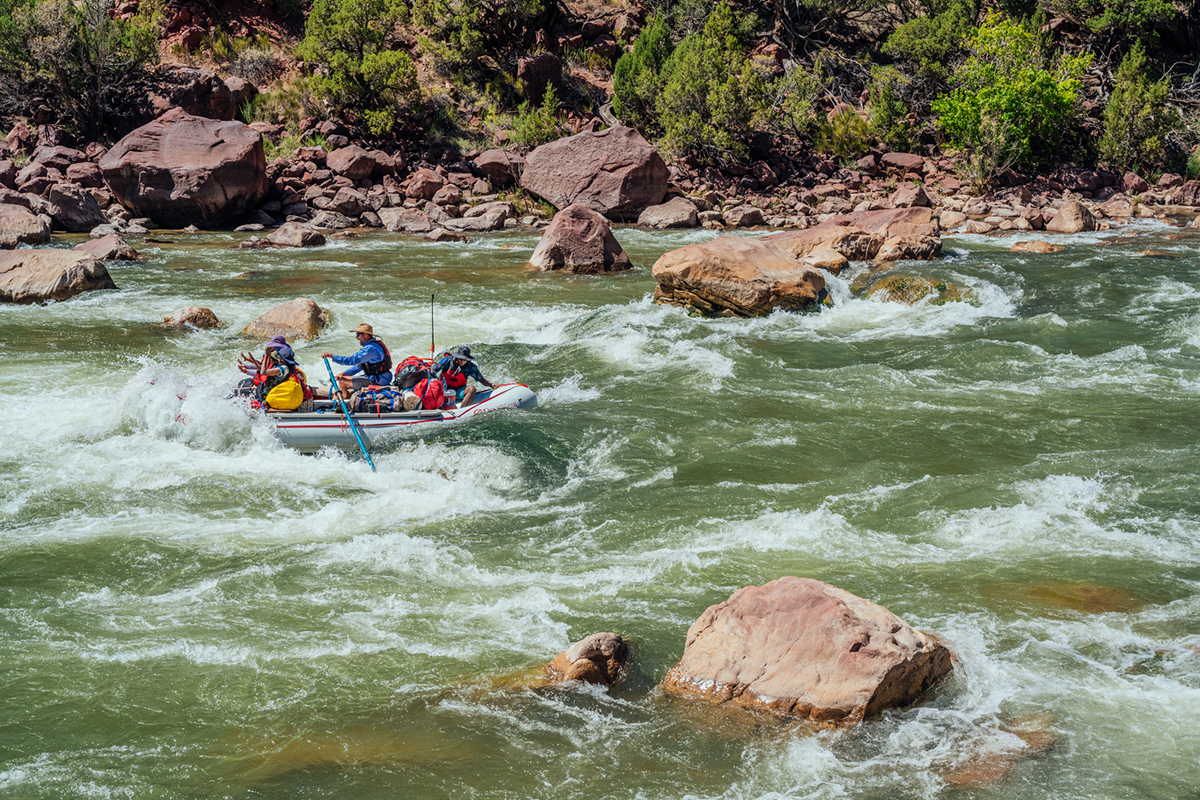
(453, 376)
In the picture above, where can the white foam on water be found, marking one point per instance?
(570, 390)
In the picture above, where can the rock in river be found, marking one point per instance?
(579, 240)
(600, 658)
(735, 276)
(297, 318)
(798, 647)
(35, 276)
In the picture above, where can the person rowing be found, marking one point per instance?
(372, 360)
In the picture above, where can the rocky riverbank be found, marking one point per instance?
(184, 169)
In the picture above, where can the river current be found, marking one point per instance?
(190, 610)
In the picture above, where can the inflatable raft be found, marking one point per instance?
(309, 431)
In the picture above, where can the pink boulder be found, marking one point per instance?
(579, 240)
(183, 170)
(35, 276)
(798, 647)
(614, 172)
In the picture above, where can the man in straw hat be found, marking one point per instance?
(455, 368)
(372, 360)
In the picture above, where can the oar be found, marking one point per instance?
(335, 392)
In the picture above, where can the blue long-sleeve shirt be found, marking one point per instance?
(370, 353)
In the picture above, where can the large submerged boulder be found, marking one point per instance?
(735, 276)
(183, 170)
(579, 240)
(798, 647)
(614, 172)
(300, 318)
(35, 276)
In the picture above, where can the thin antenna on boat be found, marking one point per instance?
(432, 351)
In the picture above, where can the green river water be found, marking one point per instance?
(193, 611)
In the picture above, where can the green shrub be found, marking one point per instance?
(460, 31)
(637, 78)
(1123, 19)
(886, 110)
(931, 43)
(796, 93)
(844, 135)
(351, 39)
(1137, 118)
(1012, 100)
(535, 126)
(75, 54)
(711, 94)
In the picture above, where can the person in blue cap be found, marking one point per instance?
(455, 369)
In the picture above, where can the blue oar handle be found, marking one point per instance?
(335, 392)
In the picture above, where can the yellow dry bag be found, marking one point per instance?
(287, 396)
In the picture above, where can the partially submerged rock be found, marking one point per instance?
(678, 212)
(295, 234)
(297, 318)
(910, 233)
(1035, 246)
(110, 248)
(798, 647)
(579, 240)
(911, 289)
(35, 276)
(735, 276)
(192, 316)
(601, 658)
(1073, 217)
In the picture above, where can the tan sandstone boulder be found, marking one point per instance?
(860, 236)
(1035, 246)
(798, 647)
(579, 240)
(735, 276)
(601, 658)
(1073, 217)
(19, 225)
(406, 220)
(183, 170)
(35, 276)
(614, 172)
(193, 316)
(297, 318)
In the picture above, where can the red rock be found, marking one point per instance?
(353, 162)
(422, 184)
(1035, 246)
(1188, 194)
(19, 225)
(181, 170)
(405, 220)
(910, 195)
(798, 647)
(579, 240)
(295, 234)
(536, 73)
(57, 157)
(678, 212)
(1133, 183)
(109, 248)
(1170, 180)
(614, 172)
(860, 235)
(735, 276)
(501, 168)
(74, 209)
(193, 316)
(86, 174)
(906, 162)
(35, 276)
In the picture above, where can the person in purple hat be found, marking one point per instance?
(277, 366)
